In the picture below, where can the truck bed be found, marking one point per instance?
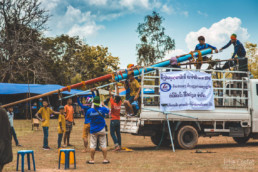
(219, 114)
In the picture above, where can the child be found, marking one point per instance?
(61, 125)
(45, 112)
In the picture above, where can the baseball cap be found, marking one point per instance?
(96, 101)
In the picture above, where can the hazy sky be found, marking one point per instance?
(113, 23)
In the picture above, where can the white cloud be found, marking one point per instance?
(167, 9)
(219, 34)
(173, 53)
(84, 31)
(97, 2)
(202, 13)
(131, 4)
(49, 4)
(79, 23)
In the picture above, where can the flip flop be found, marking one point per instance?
(90, 162)
(106, 162)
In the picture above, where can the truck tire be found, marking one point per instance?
(157, 137)
(241, 140)
(187, 137)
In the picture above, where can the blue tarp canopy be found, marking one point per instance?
(145, 91)
(10, 88)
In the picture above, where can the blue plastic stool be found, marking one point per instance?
(67, 157)
(23, 153)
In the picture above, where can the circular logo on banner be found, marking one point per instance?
(165, 87)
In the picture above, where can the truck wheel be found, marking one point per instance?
(187, 137)
(157, 137)
(241, 140)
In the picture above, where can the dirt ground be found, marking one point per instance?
(226, 154)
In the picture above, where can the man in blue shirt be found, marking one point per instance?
(202, 45)
(239, 50)
(86, 127)
(97, 128)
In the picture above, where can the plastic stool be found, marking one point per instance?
(23, 153)
(67, 157)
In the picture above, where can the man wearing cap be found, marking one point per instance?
(97, 128)
(239, 50)
(86, 126)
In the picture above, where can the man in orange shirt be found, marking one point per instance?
(69, 121)
(115, 119)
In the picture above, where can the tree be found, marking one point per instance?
(154, 42)
(73, 61)
(21, 55)
(252, 54)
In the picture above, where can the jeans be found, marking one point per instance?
(45, 140)
(115, 132)
(14, 136)
(60, 136)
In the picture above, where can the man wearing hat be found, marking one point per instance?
(239, 50)
(97, 128)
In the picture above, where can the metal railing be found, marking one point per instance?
(224, 94)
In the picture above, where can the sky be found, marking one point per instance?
(113, 23)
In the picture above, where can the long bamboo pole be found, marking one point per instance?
(109, 76)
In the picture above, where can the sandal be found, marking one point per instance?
(90, 162)
(106, 162)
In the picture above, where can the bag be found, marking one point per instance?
(99, 113)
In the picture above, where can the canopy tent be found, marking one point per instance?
(11, 88)
(145, 91)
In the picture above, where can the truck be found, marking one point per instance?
(235, 114)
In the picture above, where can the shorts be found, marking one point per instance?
(131, 99)
(86, 130)
(69, 126)
(102, 139)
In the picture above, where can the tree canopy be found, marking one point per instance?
(27, 56)
(154, 43)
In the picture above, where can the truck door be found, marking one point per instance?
(254, 105)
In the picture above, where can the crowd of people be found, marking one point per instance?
(95, 111)
(94, 131)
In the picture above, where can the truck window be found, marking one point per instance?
(257, 89)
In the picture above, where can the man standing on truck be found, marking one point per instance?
(131, 103)
(239, 50)
(202, 45)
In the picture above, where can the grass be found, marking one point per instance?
(143, 158)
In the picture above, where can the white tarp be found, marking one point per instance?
(186, 90)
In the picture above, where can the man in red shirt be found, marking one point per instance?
(115, 118)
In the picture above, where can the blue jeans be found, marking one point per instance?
(14, 136)
(115, 132)
(45, 140)
(60, 136)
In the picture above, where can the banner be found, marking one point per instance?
(186, 90)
